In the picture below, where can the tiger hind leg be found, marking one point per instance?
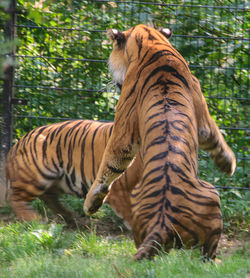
(51, 199)
(146, 252)
(151, 245)
(20, 201)
(210, 247)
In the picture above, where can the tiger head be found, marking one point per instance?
(127, 47)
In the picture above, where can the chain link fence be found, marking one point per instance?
(61, 64)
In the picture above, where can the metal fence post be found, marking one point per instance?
(7, 107)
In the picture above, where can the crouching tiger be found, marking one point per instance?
(163, 114)
(62, 158)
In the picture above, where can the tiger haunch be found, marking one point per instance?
(163, 114)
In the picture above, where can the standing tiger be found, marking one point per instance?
(62, 158)
(163, 114)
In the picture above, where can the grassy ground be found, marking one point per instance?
(102, 247)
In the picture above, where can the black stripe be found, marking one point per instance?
(178, 210)
(156, 157)
(52, 134)
(176, 150)
(154, 194)
(199, 196)
(185, 115)
(154, 58)
(110, 131)
(150, 36)
(59, 152)
(35, 140)
(93, 150)
(29, 135)
(70, 154)
(48, 177)
(153, 116)
(84, 128)
(146, 206)
(157, 83)
(84, 189)
(68, 182)
(174, 221)
(115, 170)
(175, 168)
(178, 191)
(82, 163)
(181, 94)
(174, 102)
(153, 126)
(156, 141)
(44, 150)
(181, 78)
(73, 176)
(55, 165)
(207, 216)
(75, 136)
(59, 129)
(187, 181)
(153, 181)
(139, 40)
(180, 122)
(158, 103)
(165, 68)
(66, 137)
(143, 58)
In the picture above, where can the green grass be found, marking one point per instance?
(53, 250)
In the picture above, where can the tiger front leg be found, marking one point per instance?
(114, 163)
(209, 135)
(212, 141)
(95, 196)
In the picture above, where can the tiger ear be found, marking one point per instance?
(167, 32)
(115, 35)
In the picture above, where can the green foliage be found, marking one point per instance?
(235, 210)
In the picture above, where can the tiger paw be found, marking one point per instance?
(94, 199)
(226, 162)
(94, 206)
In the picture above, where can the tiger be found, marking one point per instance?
(62, 158)
(163, 115)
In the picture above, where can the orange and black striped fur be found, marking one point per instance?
(163, 114)
(61, 158)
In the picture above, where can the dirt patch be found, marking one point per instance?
(228, 245)
(107, 227)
